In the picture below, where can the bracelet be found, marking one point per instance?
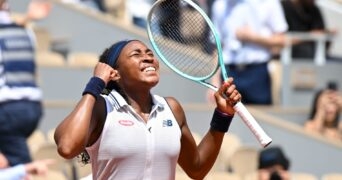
(220, 121)
(94, 87)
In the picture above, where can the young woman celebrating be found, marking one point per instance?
(128, 132)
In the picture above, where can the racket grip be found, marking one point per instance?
(252, 124)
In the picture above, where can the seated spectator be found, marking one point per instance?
(305, 16)
(273, 164)
(325, 113)
(21, 107)
(23, 171)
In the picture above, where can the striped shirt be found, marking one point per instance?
(17, 65)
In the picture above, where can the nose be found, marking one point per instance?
(148, 58)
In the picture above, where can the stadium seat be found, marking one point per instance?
(303, 176)
(36, 139)
(332, 176)
(83, 170)
(82, 59)
(49, 151)
(50, 59)
(182, 176)
(223, 175)
(244, 160)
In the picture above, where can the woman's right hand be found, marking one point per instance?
(105, 72)
(227, 96)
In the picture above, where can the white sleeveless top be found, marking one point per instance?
(130, 149)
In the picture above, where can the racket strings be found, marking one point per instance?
(185, 34)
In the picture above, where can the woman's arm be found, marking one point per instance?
(73, 134)
(84, 124)
(246, 34)
(195, 160)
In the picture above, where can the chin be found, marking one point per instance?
(154, 83)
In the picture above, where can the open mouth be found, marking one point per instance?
(149, 69)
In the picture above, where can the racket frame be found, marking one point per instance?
(201, 80)
(248, 119)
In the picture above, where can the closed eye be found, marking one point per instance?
(150, 54)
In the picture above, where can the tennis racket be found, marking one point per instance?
(181, 26)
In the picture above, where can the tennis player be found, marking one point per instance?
(128, 132)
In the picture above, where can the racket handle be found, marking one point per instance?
(252, 124)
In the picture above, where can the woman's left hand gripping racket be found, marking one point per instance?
(181, 26)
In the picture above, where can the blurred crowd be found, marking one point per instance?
(252, 32)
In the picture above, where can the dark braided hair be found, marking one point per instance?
(84, 157)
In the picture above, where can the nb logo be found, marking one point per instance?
(167, 123)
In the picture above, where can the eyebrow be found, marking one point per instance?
(139, 50)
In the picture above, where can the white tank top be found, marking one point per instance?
(130, 149)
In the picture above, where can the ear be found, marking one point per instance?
(115, 75)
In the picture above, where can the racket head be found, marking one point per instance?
(170, 37)
(167, 35)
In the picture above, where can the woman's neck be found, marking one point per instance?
(141, 102)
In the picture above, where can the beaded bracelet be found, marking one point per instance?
(221, 121)
(94, 87)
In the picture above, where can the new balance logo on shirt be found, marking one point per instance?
(167, 123)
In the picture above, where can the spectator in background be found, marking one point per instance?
(250, 30)
(170, 18)
(20, 97)
(209, 4)
(273, 164)
(94, 4)
(138, 11)
(100, 5)
(208, 7)
(305, 16)
(23, 171)
(325, 113)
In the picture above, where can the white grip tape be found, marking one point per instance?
(252, 124)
